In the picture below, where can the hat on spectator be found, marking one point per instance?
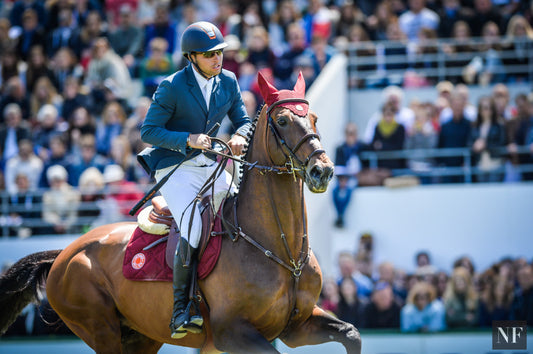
(113, 173)
(56, 172)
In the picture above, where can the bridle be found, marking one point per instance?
(290, 153)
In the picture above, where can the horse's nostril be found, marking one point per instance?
(328, 173)
(316, 172)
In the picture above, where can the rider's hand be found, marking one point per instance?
(199, 141)
(237, 143)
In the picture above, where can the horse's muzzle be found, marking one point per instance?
(319, 175)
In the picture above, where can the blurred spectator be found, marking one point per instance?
(377, 22)
(125, 193)
(423, 311)
(496, 295)
(21, 6)
(522, 306)
(37, 67)
(91, 187)
(127, 40)
(161, 27)
(122, 155)
(519, 43)
(132, 126)
(329, 296)
(458, 51)
(486, 67)
(450, 13)
(233, 57)
(10, 66)
(423, 64)
(44, 93)
(382, 311)
(403, 115)
(348, 268)
(484, 12)
(285, 14)
(85, 37)
(454, 134)
(391, 59)
(146, 11)
(86, 158)
(317, 20)
(25, 162)
(32, 34)
(422, 135)
(15, 92)
(350, 306)
(57, 155)
(24, 206)
(62, 35)
(284, 65)
(47, 126)
(365, 51)
(110, 126)
(65, 65)
(259, 52)
(12, 131)
(156, 66)
(107, 71)
(60, 202)
(461, 300)
(417, 18)
(442, 282)
(389, 135)
(7, 43)
(349, 15)
(113, 9)
(320, 52)
(469, 111)
(487, 134)
(347, 166)
(465, 262)
(519, 131)
(81, 123)
(423, 263)
(73, 98)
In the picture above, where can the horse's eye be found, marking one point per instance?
(282, 121)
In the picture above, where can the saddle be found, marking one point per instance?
(158, 220)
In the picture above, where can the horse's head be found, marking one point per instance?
(292, 139)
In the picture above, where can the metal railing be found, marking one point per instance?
(437, 60)
(432, 167)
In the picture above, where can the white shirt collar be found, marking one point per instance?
(202, 81)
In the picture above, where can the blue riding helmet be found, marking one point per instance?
(201, 37)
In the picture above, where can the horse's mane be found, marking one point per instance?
(249, 138)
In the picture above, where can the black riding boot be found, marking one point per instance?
(181, 321)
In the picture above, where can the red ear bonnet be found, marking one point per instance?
(271, 95)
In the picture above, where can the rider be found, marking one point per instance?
(185, 106)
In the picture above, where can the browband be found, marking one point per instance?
(286, 100)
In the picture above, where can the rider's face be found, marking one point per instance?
(210, 63)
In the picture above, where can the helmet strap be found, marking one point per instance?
(195, 64)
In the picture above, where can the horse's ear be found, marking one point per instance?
(267, 90)
(299, 87)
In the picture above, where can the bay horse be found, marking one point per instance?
(264, 286)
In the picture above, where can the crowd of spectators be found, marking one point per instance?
(428, 299)
(497, 130)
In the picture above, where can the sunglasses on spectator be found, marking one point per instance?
(212, 53)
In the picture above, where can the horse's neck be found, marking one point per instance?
(267, 197)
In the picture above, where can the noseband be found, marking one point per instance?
(290, 153)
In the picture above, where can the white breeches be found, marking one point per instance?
(183, 186)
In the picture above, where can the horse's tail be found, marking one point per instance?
(23, 283)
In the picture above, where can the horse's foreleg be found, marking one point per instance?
(321, 327)
(241, 338)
